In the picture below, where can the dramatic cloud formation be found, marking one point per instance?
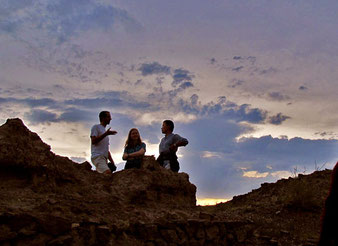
(153, 68)
(61, 20)
(278, 119)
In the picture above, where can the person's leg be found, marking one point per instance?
(127, 165)
(160, 160)
(100, 162)
(174, 165)
(138, 164)
(130, 165)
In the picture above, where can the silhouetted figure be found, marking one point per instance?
(329, 230)
(100, 144)
(168, 147)
(134, 150)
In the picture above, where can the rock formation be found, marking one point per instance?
(46, 199)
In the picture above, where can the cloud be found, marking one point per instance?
(64, 19)
(235, 83)
(277, 96)
(282, 153)
(181, 75)
(281, 174)
(278, 119)
(153, 68)
(218, 134)
(270, 70)
(245, 164)
(237, 69)
(31, 102)
(209, 154)
(213, 61)
(38, 116)
(252, 115)
(77, 115)
(223, 108)
(251, 59)
(327, 134)
(186, 85)
(110, 99)
(255, 174)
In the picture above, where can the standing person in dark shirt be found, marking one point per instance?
(169, 145)
(134, 150)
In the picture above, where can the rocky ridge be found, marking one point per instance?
(46, 199)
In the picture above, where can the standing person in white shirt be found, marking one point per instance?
(168, 147)
(100, 143)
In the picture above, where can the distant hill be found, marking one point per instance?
(286, 212)
(46, 199)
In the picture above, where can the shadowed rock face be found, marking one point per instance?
(47, 199)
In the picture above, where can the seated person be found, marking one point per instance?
(134, 150)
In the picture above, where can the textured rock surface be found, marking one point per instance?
(46, 199)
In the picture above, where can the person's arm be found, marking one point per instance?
(138, 153)
(178, 142)
(125, 155)
(110, 158)
(97, 139)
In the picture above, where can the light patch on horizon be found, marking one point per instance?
(65, 139)
(209, 154)
(289, 132)
(157, 117)
(210, 201)
(282, 174)
(255, 174)
(152, 149)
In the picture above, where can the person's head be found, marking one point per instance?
(134, 138)
(167, 127)
(105, 117)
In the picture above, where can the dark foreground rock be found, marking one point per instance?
(46, 199)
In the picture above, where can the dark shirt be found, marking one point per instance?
(136, 162)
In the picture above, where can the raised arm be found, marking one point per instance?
(96, 139)
(178, 141)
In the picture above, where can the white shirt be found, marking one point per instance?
(102, 147)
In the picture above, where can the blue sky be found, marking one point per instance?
(251, 84)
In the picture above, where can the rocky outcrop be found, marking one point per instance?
(47, 199)
(23, 154)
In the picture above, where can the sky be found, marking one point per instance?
(251, 84)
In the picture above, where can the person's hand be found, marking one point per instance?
(110, 132)
(173, 147)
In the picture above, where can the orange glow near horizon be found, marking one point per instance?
(210, 201)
